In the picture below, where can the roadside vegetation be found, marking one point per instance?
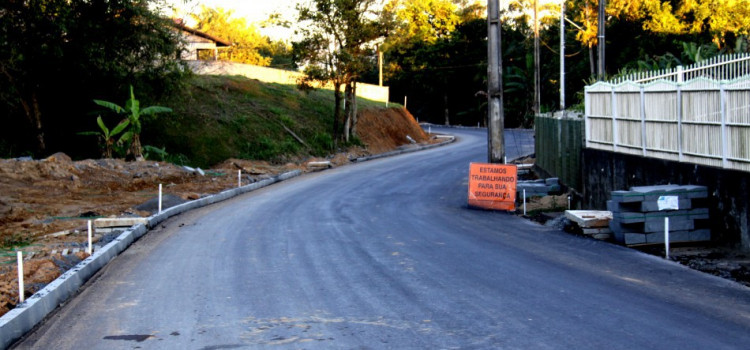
(58, 56)
(220, 117)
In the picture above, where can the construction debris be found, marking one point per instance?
(593, 223)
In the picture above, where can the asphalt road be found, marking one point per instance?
(386, 254)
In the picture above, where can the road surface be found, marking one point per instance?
(386, 255)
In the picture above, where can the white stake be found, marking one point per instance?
(568, 202)
(505, 159)
(239, 178)
(21, 297)
(666, 238)
(159, 198)
(524, 202)
(89, 250)
(429, 130)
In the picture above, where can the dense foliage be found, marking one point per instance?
(56, 56)
(248, 44)
(336, 47)
(436, 53)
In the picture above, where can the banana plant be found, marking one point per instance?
(108, 136)
(134, 112)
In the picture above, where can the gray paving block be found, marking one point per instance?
(625, 228)
(653, 205)
(619, 230)
(687, 191)
(626, 196)
(700, 235)
(678, 223)
(699, 214)
(628, 217)
(634, 238)
(696, 191)
(677, 236)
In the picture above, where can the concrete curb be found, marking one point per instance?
(25, 316)
(449, 140)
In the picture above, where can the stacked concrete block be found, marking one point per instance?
(637, 218)
(538, 188)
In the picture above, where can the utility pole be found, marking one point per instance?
(495, 113)
(380, 67)
(600, 37)
(562, 55)
(537, 74)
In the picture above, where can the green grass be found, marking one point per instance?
(221, 117)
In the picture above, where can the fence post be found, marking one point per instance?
(615, 137)
(724, 143)
(586, 113)
(679, 75)
(643, 119)
(679, 121)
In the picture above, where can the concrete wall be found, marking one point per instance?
(728, 202)
(279, 76)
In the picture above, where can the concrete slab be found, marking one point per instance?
(656, 224)
(589, 218)
(119, 222)
(626, 196)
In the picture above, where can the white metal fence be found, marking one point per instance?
(725, 67)
(701, 121)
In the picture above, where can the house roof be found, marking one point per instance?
(219, 42)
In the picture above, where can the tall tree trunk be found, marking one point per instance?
(336, 113)
(447, 112)
(136, 149)
(354, 108)
(347, 110)
(34, 116)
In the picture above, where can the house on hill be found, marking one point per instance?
(199, 45)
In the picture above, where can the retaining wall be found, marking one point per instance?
(728, 202)
(279, 76)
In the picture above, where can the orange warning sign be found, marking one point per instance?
(492, 186)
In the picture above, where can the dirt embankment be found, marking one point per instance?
(45, 204)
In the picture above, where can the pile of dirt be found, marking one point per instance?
(45, 204)
(386, 131)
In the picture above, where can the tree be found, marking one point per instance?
(133, 113)
(59, 54)
(337, 35)
(248, 45)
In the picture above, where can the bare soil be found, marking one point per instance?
(45, 204)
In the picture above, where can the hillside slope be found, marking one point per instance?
(221, 117)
